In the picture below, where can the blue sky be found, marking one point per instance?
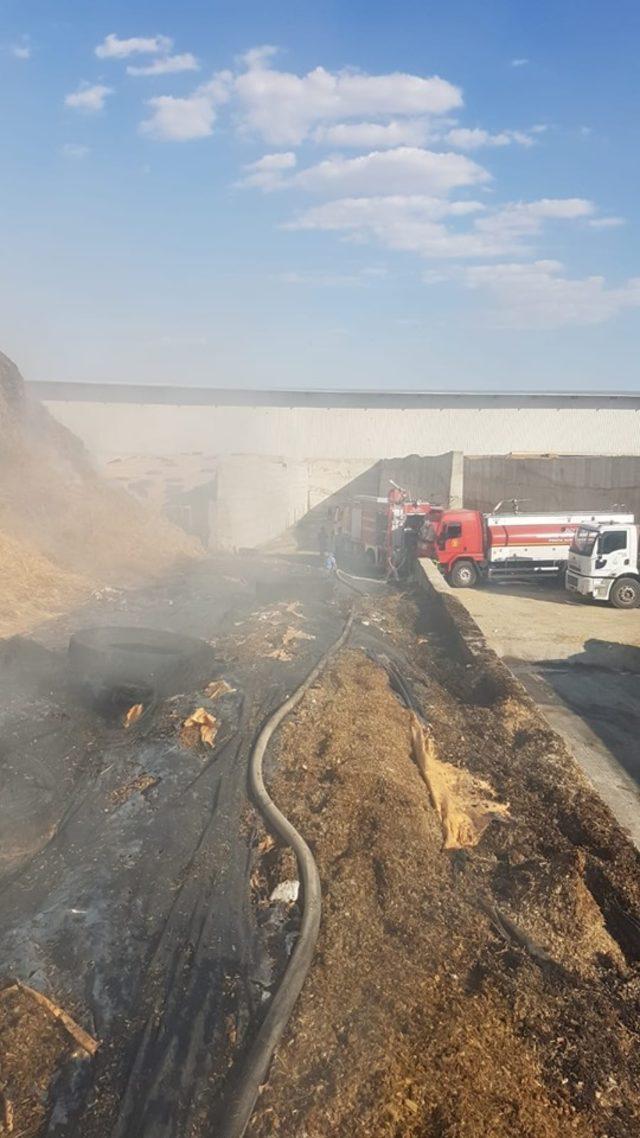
(339, 194)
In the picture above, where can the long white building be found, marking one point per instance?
(117, 420)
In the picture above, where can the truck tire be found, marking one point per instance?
(625, 593)
(146, 662)
(463, 575)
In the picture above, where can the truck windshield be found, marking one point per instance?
(584, 540)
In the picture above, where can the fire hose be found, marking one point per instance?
(254, 1074)
(348, 578)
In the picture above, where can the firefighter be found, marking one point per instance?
(410, 543)
(330, 563)
(394, 565)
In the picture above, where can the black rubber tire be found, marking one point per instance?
(625, 593)
(464, 575)
(145, 659)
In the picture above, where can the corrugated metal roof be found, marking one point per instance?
(175, 394)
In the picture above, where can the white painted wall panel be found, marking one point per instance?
(355, 433)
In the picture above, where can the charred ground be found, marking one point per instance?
(453, 994)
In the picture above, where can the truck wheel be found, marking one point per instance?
(463, 575)
(625, 593)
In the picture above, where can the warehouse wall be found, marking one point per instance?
(436, 478)
(290, 455)
(259, 498)
(556, 482)
(348, 432)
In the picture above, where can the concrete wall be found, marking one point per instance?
(435, 478)
(329, 477)
(290, 455)
(247, 500)
(364, 433)
(258, 498)
(555, 483)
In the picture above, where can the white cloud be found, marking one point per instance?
(606, 222)
(537, 295)
(181, 341)
(562, 209)
(359, 279)
(258, 56)
(404, 170)
(508, 229)
(74, 150)
(431, 226)
(167, 65)
(414, 223)
(373, 135)
(378, 212)
(175, 119)
(519, 62)
(114, 48)
(178, 120)
(21, 50)
(267, 172)
(87, 98)
(464, 138)
(435, 276)
(283, 107)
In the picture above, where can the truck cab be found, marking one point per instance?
(603, 564)
(459, 541)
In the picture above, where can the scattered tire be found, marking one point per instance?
(141, 662)
(625, 593)
(464, 575)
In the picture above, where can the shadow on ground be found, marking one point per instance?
(601, 684)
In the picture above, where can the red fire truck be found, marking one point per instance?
(381, 530)
(470, 546)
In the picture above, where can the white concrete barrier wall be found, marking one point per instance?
(353, 433)
(258, 499)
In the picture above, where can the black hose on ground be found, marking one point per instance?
(243, 1099)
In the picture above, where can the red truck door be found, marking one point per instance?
(460, 542)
